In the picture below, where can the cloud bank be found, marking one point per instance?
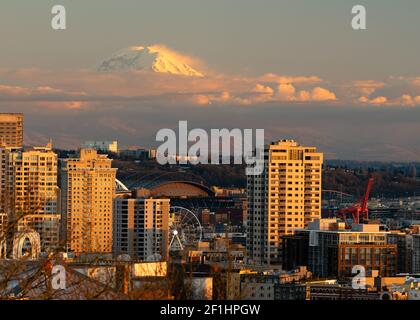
(360, 119)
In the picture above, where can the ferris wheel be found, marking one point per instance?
(185, 229)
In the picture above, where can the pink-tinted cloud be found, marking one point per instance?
(392, 92)
(381, 100)
(322, 94)
(201, 99)
(262, 89)
(275, 78)
(365, 87)
(404, 100)
(16, 91)
(78, 87)
(286, 92)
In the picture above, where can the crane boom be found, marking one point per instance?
(359, 210)
(365, 199)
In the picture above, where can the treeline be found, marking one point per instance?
(390, 180)
(387, 182)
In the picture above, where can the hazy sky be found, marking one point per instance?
(237, 36)
(364, 102)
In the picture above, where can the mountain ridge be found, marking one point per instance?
(154, 58)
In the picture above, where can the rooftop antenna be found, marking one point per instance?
(49, 144)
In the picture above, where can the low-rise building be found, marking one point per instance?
(320, 291)
(141, 228)
(274, 285)
(333, 251)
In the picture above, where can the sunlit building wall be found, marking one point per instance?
(284, 198)
(87, 192)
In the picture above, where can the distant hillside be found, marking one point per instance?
(350, 177)
(212, 175)
(386, 183)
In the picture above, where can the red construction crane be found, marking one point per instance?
(358, 211)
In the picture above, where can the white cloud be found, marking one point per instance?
(262, 89)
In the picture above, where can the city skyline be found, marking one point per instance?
(209, 156)
(269, 241)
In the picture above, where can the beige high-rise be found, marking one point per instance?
(30, 194)
(141, 228)
(87, 191)
(11, 129)
(11, 137)
(5, 192)
(285, 197)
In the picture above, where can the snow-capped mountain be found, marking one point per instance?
(151, 58)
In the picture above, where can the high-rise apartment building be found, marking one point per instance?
(4, 188)
(11, 136)
(87, 191)
(11, 129)
(141, 228)
(30, 195)
(284, 198)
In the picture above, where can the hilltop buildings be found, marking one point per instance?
(103, 146)
(137, 153)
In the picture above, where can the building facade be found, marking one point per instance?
(138, 153)
(333, 251)
(339, 292)
(141, 228)
(30, 195)
(87, 192)
(5, 192)
(284, 198)
(36, 194)
(11, 137)
(11, 130)
(406, 255)
(415, 254)
(274, 286)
